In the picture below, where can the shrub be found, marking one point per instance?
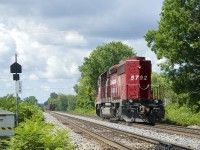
(32, 135)
(181, 115)
(32, 112)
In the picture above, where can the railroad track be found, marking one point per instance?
(171, 129)
(82, 130)
(107, 135)
(179, 129)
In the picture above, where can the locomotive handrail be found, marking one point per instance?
(140, 86)
(144, 88)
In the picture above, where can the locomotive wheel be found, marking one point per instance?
(101, 115)
(98, 112)
(152, 118)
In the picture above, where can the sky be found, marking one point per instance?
(52, 37)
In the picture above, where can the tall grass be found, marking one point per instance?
(181, 115)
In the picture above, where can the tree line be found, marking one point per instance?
(177, 41)
(62, 102)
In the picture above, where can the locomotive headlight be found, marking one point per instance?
(130, 100)
(156, 101)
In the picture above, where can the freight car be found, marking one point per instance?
(49, 107)
(125, 93)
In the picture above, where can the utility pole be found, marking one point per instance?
(16, 68)
(16, 96)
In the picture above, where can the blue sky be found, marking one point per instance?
(52, 37)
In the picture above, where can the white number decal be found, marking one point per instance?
(145, 77)
(112, 82)
(135, 77)
(132, 77)
(141, 77)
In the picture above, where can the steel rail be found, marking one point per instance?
(141, 137)
(170, 129)
(97, 136)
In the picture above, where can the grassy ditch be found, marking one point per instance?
(181, 115)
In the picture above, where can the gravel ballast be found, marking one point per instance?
(80, 142)
(193, 143)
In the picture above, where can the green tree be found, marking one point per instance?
(52, 100)
(71, 102)
(62, 102)
(30, 100)
(53, 95)
(25, 110)
(8, 103)
(160, 79)
(177, 40)
(101, 59)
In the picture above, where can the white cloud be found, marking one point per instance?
(74, 38)
(7, 45)
(44, 88)
(52, 41)
(73, 69)
(4, 48)
(33, 77)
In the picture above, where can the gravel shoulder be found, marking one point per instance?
(80, 142)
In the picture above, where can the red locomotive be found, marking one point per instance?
(125, 93)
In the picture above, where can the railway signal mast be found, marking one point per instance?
(16, 69)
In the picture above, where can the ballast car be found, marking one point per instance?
(125, 93)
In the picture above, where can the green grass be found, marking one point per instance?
(181, 115)
(84, 111)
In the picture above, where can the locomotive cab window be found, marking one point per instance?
(121, 69)
(103, 81)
